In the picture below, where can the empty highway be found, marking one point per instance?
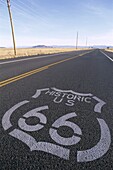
(56, 112)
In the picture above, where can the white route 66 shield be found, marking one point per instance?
(60, 146)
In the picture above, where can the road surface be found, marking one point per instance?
(56, 112)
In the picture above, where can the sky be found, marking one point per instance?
(56, 22)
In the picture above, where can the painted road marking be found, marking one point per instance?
(21, 76)
(40, 146)
(30, 58)
(107, 56)
(68, 120)
(63, 121)
(70, 97)
(6, 123)
(33, 113)
(101, 147)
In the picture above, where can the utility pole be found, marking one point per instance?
(12, 28)
(86, 42)
(77, 41)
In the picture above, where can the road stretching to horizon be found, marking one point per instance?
(56, 112)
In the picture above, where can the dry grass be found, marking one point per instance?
(8, 52)
(110, 50)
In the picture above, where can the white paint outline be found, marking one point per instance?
(6, 123)
(70, 91)
(88, 155)
(99, 105)
(107, 56)
(38, 92)
(100, 148)
(33, 113)
(63, 121)
(97, 108)
(40, 146)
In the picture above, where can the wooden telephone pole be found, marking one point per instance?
(12, 27)
(86, 41)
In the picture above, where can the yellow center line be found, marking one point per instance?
(24, 74)
(21, 76)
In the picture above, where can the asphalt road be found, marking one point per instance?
(56, 112)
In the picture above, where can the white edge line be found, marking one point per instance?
(106, 56)
(31, 58)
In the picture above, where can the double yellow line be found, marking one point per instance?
(21, 76)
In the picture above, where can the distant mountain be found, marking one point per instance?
(57, 46)
(41, 46)
(63, 46)
(69, 46)
(102, 46)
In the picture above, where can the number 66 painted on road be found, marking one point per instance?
(82, 156)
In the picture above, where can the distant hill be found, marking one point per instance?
(57, 46)
(41, 46)
(69, 46)
(102, 46)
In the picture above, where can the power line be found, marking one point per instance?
(28, 10)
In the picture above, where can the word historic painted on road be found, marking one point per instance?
(60, 144)
(70, 96)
